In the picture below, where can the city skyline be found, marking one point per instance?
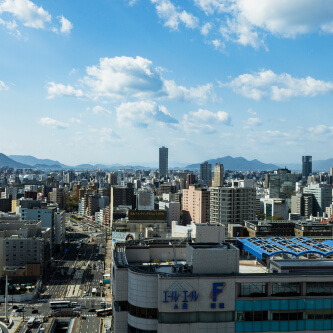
(113, 82)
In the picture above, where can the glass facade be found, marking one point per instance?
(284, 315)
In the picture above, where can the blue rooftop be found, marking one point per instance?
(297, 246)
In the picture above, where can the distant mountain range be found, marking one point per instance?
(237, 164)
(31, 162)
(230, 163)
(5, 161)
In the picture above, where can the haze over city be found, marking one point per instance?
(110, 82)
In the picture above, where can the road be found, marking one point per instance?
(78, 272)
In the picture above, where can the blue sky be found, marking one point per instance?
(111, 81)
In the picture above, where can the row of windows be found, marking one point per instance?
(196, 317)
(283, 326)
(284, 315)
(285, 289)
(284, 304)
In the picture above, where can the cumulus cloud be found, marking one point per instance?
(30, 15)
(66, 25)
(209, 116)
(173, 16)
(199, 94)
(249, 22)
(49, 122)
(136, 78)
(278, 87)
(3, 86)
(204, 121)
(142, 114)
(58, 89)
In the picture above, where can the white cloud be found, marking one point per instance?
(173, 16)
(49, 122)
(321, 130)
(253, 122)
(3, 86)
(204, 121)
(58, 89)
(123, 77)
(30, 15)
(211, 6)
(100, 110)
(278, 87)
(206, 28)
(27, 12)
(217, 44)
(199, 94)
(142, 114)
(288, 18)
(248, 22)
(10, 25)
(132, 78)
(209, 116)
(66, 25)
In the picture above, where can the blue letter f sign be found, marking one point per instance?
(217, 289)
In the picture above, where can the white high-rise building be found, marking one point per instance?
(232, 205)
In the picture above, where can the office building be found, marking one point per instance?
(195, 205)
(306, 166)
(282, 184)
(172, 209)
(302, 204)
(204, 287)
(145, 200)
(123, 196)
(234, 204)
(322, 197)
(163, 162)
(218, 174)
(206, 173)
(275, 207)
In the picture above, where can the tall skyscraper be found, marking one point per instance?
(218, 174)
(306, 166)
(206, 173)
(163, 162)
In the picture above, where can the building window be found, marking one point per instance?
(253, 290)
(319, 289)
(286, 289)
(142, 312)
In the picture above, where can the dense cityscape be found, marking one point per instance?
(166, 166)
(95, 250)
